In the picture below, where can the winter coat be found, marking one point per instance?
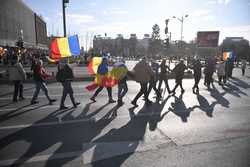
(221, 68)
(64, 74)
(16, 72)
(179, 71)
(142, 72)
(39, 73)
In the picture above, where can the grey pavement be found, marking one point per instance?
(209, 129)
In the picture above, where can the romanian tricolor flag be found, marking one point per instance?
(228, 55)
(102, 77)
(65, 47)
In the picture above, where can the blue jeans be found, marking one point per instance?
(122, 90)
(43, 86)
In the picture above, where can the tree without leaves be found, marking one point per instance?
(155, 45)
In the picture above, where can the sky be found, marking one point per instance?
(93, 17)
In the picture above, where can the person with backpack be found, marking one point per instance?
(40, 75)
(65, 76)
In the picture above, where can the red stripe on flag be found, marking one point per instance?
(90, 67)
(92, 87)
(54, 49)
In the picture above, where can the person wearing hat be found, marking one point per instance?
(122, 85)
(179, 74)
(103, 70)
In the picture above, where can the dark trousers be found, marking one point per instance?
(122, 90)
(196, 82)
(109, 89)
(208, 79)
(67, 89)
(243, 71)
(222, 77)
(178, 83)
(152, 85)
(142, 91)
(18, 89)
(165, 79)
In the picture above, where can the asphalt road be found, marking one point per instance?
(210, 129)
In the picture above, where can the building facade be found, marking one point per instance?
(18, 21)
(122, 47)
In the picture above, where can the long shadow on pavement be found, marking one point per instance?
(41, 138)
(179, 108)
(16, 112)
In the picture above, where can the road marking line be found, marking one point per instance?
(40, 158)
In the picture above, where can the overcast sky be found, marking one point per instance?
(92, 17)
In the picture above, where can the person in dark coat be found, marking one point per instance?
(154, 79)
(143, 74)
(179, 74)
(208, 71)
(163, 75)
(65, 76)
(196, 66)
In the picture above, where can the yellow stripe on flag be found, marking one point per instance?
(63, 46)
(225, 55)
(96, 61)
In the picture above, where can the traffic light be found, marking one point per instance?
(166, 43)
(19, 43)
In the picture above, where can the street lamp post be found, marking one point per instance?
(181, 20)
(64, 19)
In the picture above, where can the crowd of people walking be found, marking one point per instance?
(149, 74)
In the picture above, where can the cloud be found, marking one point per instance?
(201, 12)
(78, 19)
(115, 11)
(236, 31)
(92, 3)
(202, 15)
(218, 2)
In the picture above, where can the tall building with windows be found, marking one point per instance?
(18, 21)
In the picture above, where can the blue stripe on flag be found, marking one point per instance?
(74, 45)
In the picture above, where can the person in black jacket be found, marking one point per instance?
(179, 74)
(164, 75)
(65, 76)
(196, 66)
